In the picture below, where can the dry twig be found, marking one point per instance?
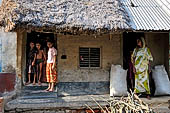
(130, 104)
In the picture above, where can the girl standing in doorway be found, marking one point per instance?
(51, 73)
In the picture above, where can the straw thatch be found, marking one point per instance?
(64, 14)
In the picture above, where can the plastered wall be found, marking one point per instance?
(159, 46)
(8, 52)
(69, 70)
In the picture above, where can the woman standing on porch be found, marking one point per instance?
(51, 73)
(141, 58)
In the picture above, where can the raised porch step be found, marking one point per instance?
(52, 104)
(34, 99)
(75, 88)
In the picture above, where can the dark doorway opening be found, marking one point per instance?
(129, 44)
(41, 38)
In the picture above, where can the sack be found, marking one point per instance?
(161, 80)
(118, 83)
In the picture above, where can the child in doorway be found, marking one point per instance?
(130, 73)
(51, 73)
(40, 59)
(30, 63)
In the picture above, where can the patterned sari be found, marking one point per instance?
(141, 58)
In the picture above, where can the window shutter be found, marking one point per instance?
(94, 57)
(84, 57)
(89, 57)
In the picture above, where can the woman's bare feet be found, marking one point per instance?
(148, 97)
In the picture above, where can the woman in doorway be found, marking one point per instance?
(30, 63)
(40, 59)
(51, 73)
(141, 58)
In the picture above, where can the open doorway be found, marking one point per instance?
(38, 39)
(158, 43)
(129, 44)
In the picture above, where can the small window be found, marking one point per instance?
(89, 57)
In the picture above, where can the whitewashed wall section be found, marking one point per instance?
(8, 45)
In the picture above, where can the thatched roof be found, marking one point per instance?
(64, 14)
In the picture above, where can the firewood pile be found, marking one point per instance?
(130, 104)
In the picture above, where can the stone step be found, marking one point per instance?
(44, 95)
(25, 103)
(49, 101)
(74, 88)
(33, 88)
(82, 88)
(36, 92)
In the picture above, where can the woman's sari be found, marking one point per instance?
(140, 59)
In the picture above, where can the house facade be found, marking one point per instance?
(89, 36)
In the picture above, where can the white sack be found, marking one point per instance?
(118, 83)
(162, 83)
